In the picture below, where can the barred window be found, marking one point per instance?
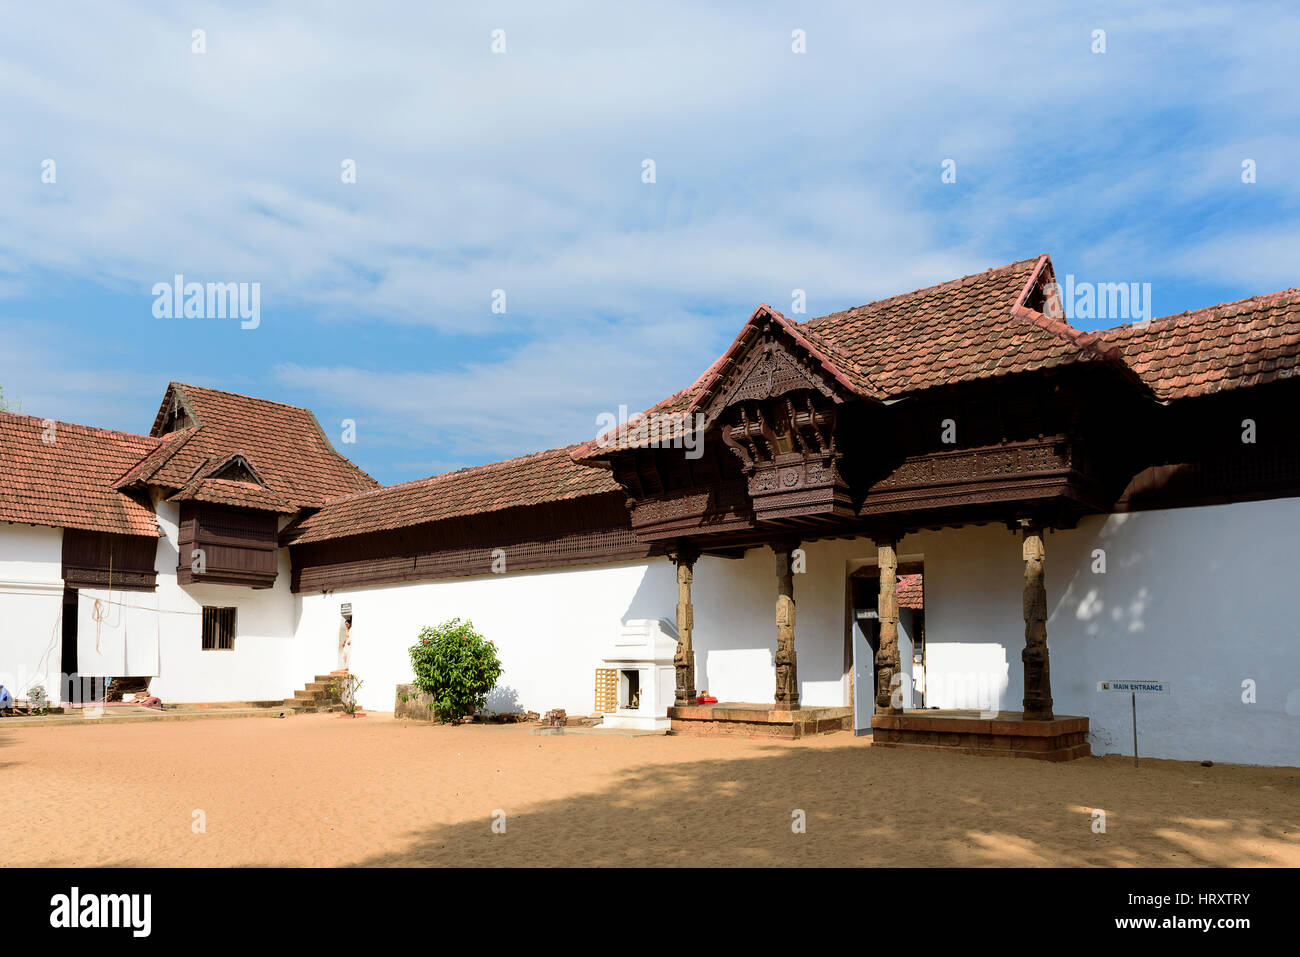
(218, 629)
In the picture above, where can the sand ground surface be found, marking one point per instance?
(318, 790)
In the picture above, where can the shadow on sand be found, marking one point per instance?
(872, 807)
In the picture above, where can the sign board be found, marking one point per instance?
(1134, 686)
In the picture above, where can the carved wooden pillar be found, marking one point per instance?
(1038, 683)
(887, 661)
(684, 659)
(787, 670)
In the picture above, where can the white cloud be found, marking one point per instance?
(476, 172)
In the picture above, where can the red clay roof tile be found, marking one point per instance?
(911, 593)
(230, 492)
(68, 482)
(535, 479)
(1249, 342)
(959, 331)
(293, 456)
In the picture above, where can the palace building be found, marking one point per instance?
(946, 518)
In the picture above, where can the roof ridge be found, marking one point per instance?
(1057, 326)
(743, 342)
(305, 410)
(85, 428)
(837, 354)
(1145, 324)
(826, 353)
(164, 441)
(1084, 341)
(241, 395)
(946, 284)
(581, 451)
(429, 479)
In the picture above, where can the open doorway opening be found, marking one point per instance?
(345, 636)
(864, 638)
(76, 690)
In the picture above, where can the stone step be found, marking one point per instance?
(306, 706)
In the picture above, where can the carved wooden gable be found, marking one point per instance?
(776, 408)
(772, 365)
(769, 408)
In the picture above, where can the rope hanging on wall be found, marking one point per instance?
(101, 609)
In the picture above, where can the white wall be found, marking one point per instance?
(259, 668)
(1202, 598)
(31, 605)
(550, 627)
(735, 623)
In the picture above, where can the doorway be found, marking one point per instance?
(864, 639)
(68, 662)
(73, 688)
(865, 632)
(345, 636)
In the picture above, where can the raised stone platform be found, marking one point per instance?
(1006, 734)
(758, 720)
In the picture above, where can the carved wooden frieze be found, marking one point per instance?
(1049, 467)
(669, 514)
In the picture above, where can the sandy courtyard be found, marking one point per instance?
(324, 791)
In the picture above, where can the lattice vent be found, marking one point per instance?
(606, 690)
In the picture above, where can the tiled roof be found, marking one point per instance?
(957, 331)
(838, 365)
(293, 456)
(910, 592)
(165, 448)
(535, 479)
(1245, 343)
(971, 328)
(68, 482)
(668, 417)
(230, 492)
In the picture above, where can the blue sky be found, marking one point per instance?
(522, 171)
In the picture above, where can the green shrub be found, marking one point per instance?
(456, 667)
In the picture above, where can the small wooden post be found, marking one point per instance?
(887, 659)
(1038, 682)
(1134, 696)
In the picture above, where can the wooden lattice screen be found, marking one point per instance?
(218, 629)
(606, 690)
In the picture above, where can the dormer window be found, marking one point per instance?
(237, 470)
